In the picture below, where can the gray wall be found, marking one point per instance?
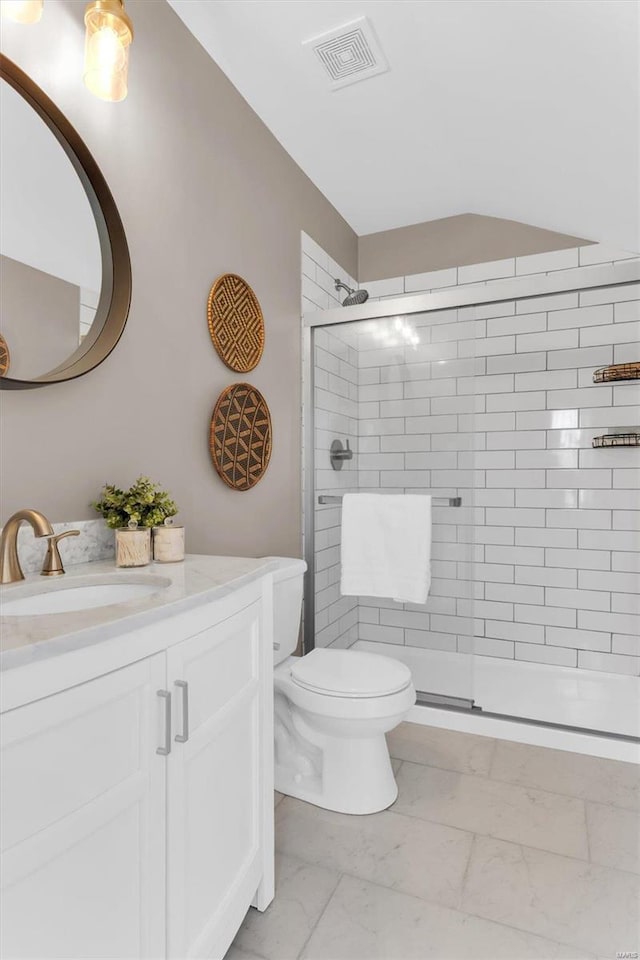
(452, 242)
(202, 188)
(39, 318)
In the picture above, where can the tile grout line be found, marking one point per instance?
(320, 915)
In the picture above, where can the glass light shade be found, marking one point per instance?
(106, 53)
(22, 11)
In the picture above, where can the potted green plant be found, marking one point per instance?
(132, 513)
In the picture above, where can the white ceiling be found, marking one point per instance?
(524, 109)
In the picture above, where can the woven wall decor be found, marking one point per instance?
(5, 357)
(240, 439)
(236, 323)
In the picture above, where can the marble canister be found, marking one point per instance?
(133, 546)
(168, 543)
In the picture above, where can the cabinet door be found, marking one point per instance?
(215, 784)
(83, 820)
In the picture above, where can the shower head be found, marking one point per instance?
(353, 296)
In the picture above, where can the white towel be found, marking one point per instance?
(386, 546)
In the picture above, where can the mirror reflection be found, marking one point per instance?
(50, 259)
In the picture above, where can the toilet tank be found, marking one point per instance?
(287, 605)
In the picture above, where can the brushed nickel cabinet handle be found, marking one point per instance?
(184, 736)
(165, 750)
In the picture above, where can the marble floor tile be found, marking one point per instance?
(277, 797)
(574, 774)
(404, 853)
(235, 953)
(533, 817)
(614, 836)
(589, 906)
(302, 892)
(447, 749)
(366, 922)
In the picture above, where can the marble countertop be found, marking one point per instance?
(181, 586)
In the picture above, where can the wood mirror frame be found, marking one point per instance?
(115, 292)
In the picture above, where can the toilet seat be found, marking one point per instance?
(350, 674)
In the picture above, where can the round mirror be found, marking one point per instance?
(64, 264)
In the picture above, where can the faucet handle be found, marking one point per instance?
(52, 566)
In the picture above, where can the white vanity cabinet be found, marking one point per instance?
(137, 806)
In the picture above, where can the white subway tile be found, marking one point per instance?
(490, 347)
(461, 330)
(609, 663)
(458, 478)
(580, 599)
(618, 333)
(380, 391)
(404, 443)
(516, 440)
(625, 603)
(314, 250)
(627, 311)
(459, 441)
(469, 405)
(547, 459)
(603, 580)
(581, 317)
(491, 270)
(583, 397)
(515, 478)
(607, 540)
(525, 632)
(517, 363)
(315, 294)
(383, 634)
(590, 479)
(486, 647)
(584, 558)
(550, 616)
(628, 291)
(626, 397)
(559, 656)
(556, 499)
(515, 401)
(450, 624)
(432, 280)
(583, 357)
(547, 576)
(544, 262)
(621, 417)
(377, 427)
(610, 622)
(486, 460)
(625, 352)
(488, 572)
(602, 458)
(549, 340)
(435, 460)
(489, 535)
(440, 424)
(384, 288)
(626, 644)
(380, 461)
(628, 562)
(580, 519)
(580, 639)
(536, 537)
(487, 421)
(626, 520)
(599, 253)
(547, 380)
(514, 593)
(405, 478)
(610, 499)
(521, 323)
(547, 420)
(515, 518)
(418, 389)
(569, 439)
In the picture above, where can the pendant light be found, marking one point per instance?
(22, 11)
(106, 54)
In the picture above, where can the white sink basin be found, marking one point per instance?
(78, 596)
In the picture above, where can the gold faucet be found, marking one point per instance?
(10, 569)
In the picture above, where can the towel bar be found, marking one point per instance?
(450, 501)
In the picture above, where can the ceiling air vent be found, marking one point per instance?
(349, 53)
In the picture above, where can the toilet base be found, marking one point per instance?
(348, 775)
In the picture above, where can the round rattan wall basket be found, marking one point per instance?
(5, 357)
(236, 323)
(240, 438)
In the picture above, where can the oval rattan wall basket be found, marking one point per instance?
(236, 323)
(240, 438)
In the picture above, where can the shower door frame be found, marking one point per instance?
(575, 280)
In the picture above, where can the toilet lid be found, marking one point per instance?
(350, 673)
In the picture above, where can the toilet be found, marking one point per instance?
(332, 710)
